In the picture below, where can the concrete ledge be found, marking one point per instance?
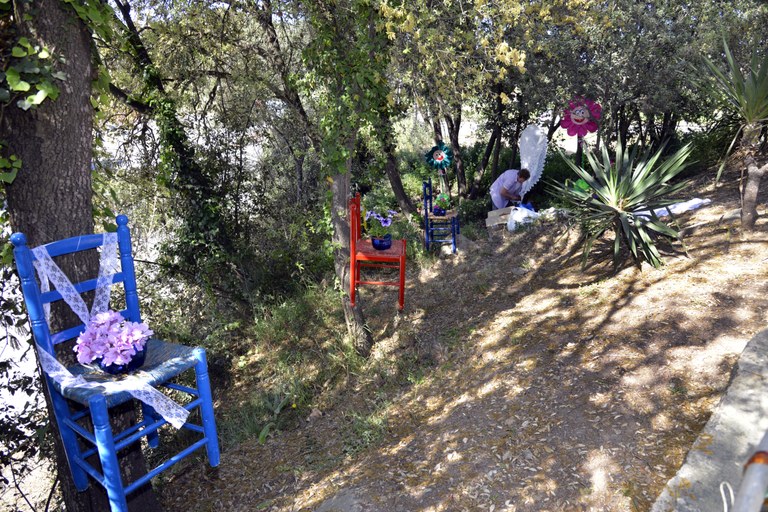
(729, 438)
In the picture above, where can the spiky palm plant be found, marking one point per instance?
(625, 192)
(745, 94)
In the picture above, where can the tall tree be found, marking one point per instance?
(50, 198)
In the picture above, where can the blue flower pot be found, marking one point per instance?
(136, 361)
(438, 212)
(383, 243)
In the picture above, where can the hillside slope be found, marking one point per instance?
(515, 381)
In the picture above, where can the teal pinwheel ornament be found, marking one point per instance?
(439, 157)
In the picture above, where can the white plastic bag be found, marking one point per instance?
(519, 216)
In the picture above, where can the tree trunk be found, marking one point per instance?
(476, 182)
(749, 193)
(495, 166)
(438, 131)
(361, 336)
(454, 125)
(515, 141)
(394, 177)
(51, 197)
(554, 124)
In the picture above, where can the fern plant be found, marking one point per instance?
(624, 194)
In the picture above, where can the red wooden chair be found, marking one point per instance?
(362, 254)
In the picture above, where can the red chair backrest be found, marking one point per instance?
(354, 221)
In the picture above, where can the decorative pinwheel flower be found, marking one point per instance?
(581, 116)
(439, 157)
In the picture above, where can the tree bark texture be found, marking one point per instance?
(495, 138)
(749, 193)
(51, 197)
(454, 125)
(361, 336)
(394, 176)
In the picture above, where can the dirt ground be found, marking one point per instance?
(546, 388)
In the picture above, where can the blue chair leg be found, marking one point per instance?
(453, 234)
(105, 444)
(206, 407)
(71, 446)
(153, 440)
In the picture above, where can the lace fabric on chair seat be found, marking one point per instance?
(79, 384)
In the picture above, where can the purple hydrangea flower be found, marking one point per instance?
(112, 338)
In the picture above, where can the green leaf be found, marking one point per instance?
(37, 98)
(5, 95)
(59, 75)
(44, 54)
(50, 90)
(6, 253)
(23, 104)
(23, 41)
(14, 80)
(8, 177)
(18, 52)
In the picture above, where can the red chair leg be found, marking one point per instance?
(352, 280)
(401, 297)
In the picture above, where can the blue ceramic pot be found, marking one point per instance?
(438, 212)
(135, 362)
(383, 243)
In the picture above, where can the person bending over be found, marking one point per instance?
(508, 186)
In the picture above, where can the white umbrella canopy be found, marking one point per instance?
(533, 152)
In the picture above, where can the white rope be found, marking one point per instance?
(47, 270)
(726, 503)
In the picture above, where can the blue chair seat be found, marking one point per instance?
(164, 361)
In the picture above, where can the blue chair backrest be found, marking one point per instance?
(427, 193)
(36, 300)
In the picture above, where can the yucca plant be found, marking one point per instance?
(745, 94)
(623, 196)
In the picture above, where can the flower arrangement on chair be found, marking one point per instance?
(377, 226)
(441, 204)
(114, 342)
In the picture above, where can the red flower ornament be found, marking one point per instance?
(581, 116)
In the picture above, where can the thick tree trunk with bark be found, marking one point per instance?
(750, 189)
(361, 336)
(51, 197)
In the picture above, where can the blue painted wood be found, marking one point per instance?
(164, 362)
(437, 230)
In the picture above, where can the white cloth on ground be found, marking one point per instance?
(676, 208)
(520, 216)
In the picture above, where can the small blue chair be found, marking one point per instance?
(164, 362)
(438, 230)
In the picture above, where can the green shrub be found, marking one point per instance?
(473, 210)
(624, 194)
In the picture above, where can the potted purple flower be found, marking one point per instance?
(113, 342)
(377, 226)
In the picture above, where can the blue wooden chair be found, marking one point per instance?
(438, 230)
(164, 361)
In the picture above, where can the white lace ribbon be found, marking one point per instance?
(47, 270)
